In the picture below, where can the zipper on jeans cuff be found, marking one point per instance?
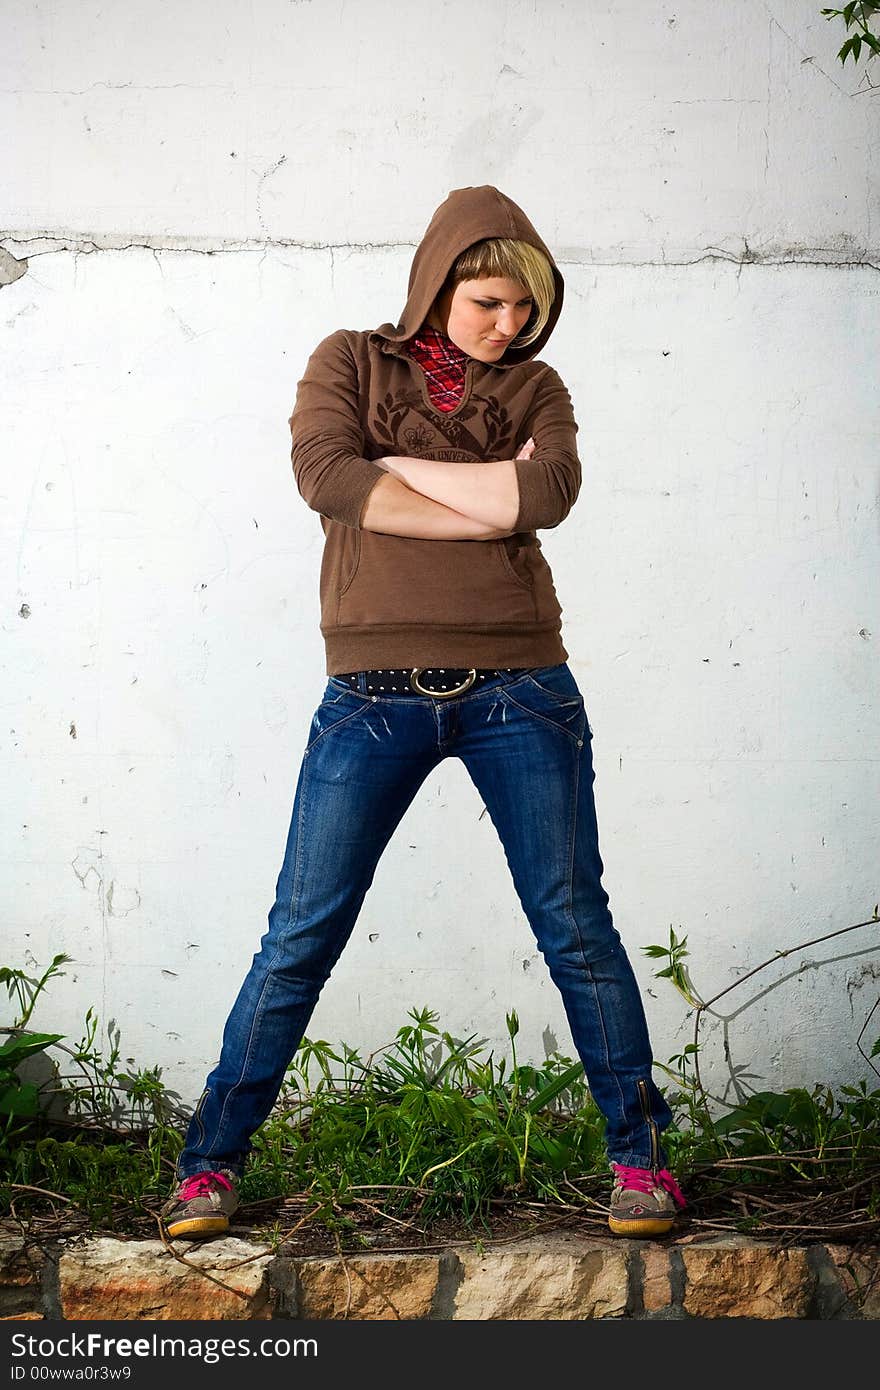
(652, 1126)
(197, 1116)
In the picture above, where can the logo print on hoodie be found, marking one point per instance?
(457, 441)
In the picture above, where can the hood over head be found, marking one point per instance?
(467, 215)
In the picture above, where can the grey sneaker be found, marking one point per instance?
(643, 1201)
(201, 1205)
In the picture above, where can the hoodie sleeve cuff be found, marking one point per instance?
(327, 442)
(364, 481)
(532, 512)
(550, 480)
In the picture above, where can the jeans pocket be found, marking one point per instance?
(338, 707)
(555, 682)
(550, 694)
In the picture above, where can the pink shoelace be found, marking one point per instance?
(645, 1180)
(200, 1184)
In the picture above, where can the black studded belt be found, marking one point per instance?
(442, 683)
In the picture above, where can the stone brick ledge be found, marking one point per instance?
(562, 1276)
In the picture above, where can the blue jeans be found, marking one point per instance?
(525, 741)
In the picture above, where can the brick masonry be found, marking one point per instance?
(553, 1277)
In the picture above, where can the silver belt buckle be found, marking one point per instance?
(440, 694)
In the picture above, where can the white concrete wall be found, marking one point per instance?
(196, 193)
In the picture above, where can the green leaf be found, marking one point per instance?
(552, 1150)
(685, 986)
(19, 1100)
(553, 1089)
(728, 1124)
(16, 1048)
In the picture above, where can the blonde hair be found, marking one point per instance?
(501, 257)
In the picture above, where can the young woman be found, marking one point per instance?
(433, 449)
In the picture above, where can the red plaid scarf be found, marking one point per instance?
(443, 363)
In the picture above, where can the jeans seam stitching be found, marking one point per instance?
(260, 1005)
(536, 715)
(337, 724)
(570, 910)
(552, 694)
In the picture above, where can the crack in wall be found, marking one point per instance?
(12, 267)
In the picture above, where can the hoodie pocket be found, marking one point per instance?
(339, 564)
(398, 580)
(516, 557)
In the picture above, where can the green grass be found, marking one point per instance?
(432, 1121)
(431, 1126)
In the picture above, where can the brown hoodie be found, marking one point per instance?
(389, 601)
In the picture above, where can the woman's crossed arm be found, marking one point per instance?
(479, 499)
(396, 509)
(488, 492)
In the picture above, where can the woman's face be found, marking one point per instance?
(482, 316)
